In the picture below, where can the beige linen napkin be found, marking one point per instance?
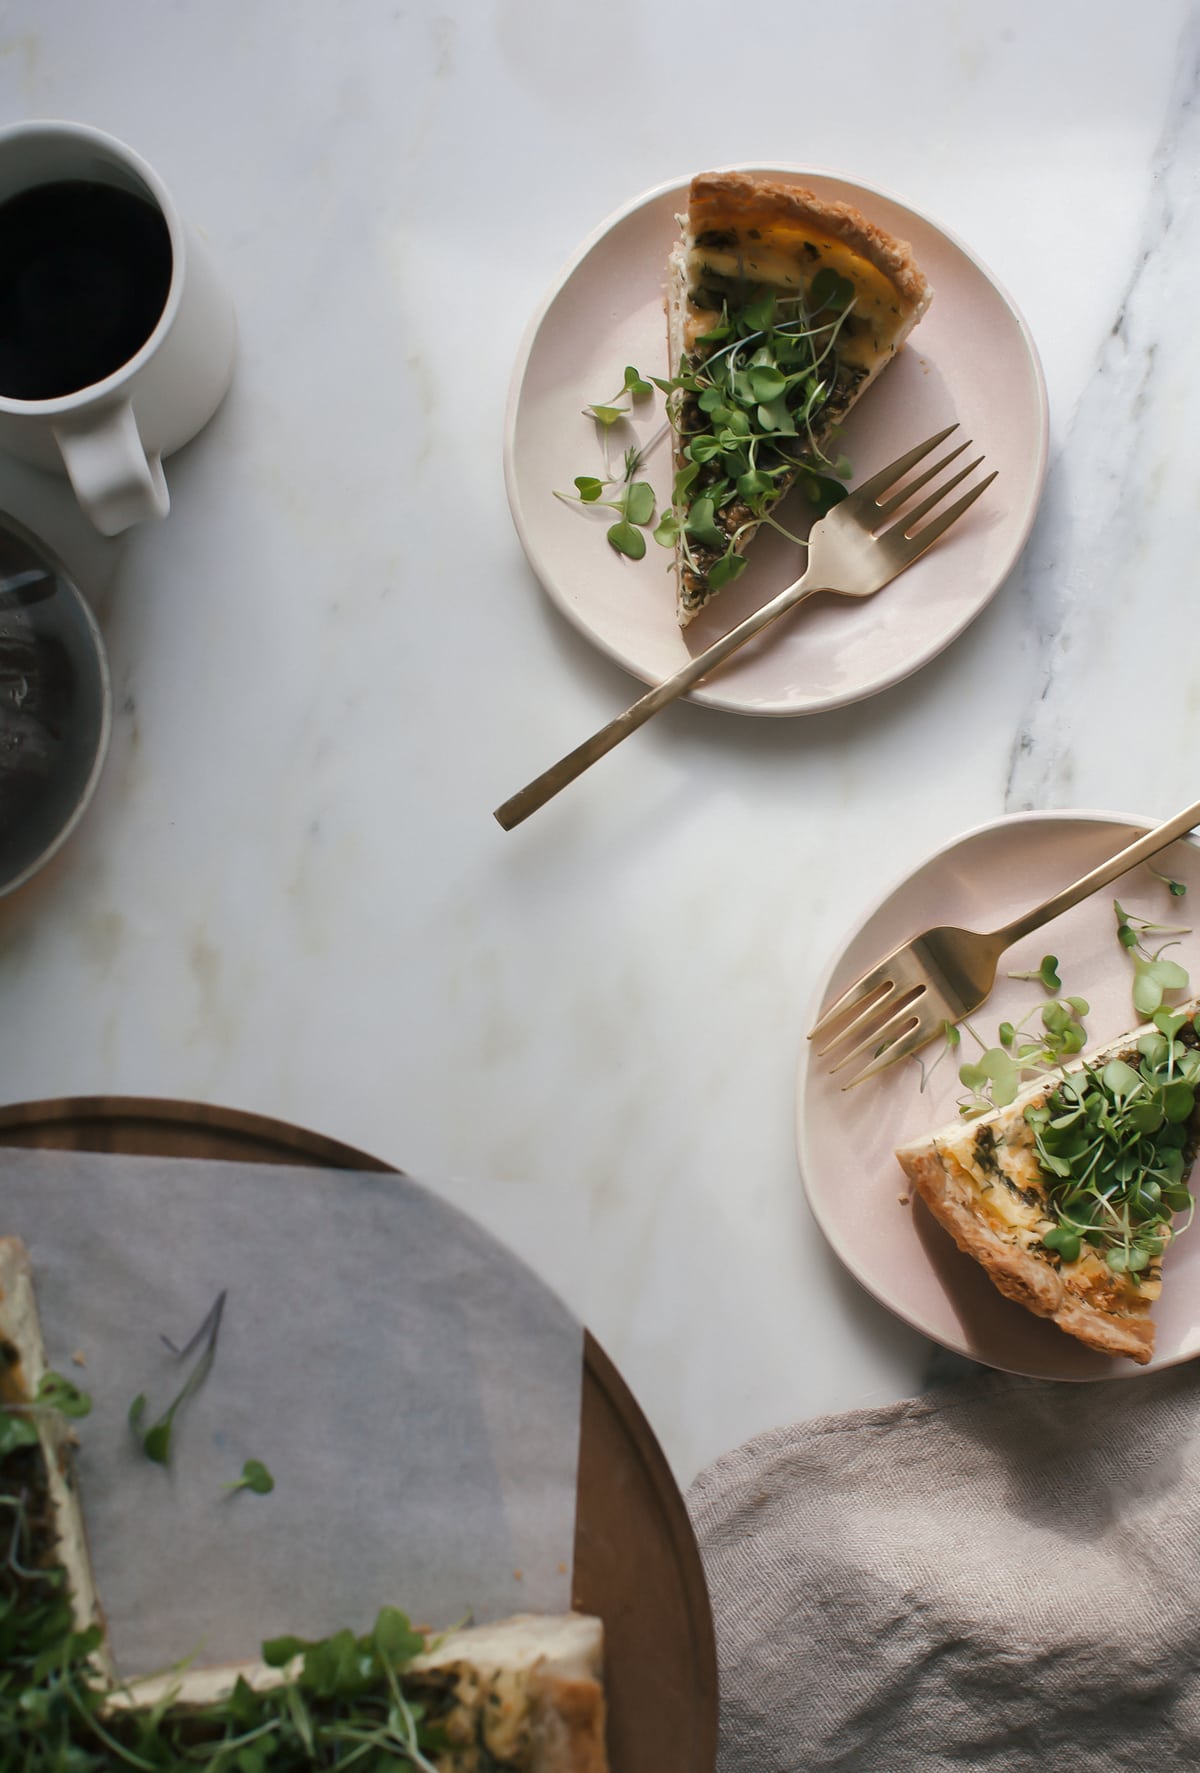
(1000, 1574)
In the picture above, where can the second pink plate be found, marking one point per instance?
(971, 359)
(847, 1139)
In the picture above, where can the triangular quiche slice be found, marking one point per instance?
(1068, 1197)
(522, 1695)
(782, 309)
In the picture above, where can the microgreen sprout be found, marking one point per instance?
(1176, 888)
(256, 1477)
(1153, 977)
(607, 413)
(156, 1439)
(994, 1079)
(634, 501)
(1046, 975)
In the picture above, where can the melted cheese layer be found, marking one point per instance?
(788, 259)
(1012, 1159)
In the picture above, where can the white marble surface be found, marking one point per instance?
(332, 661)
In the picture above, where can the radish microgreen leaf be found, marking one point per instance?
(634, 500)
(627, 540)
(156, 1440)
(1176, 888)
(1153, 977)
(1046, 975)
(639, 502)
(607, 415)
(256, 1477)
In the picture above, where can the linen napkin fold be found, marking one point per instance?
(1000, 1574)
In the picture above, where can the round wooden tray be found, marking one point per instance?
(636, 1562)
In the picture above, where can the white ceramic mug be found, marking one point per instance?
(110, 436)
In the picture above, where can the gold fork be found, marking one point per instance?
(900, 1005)
(845, 555)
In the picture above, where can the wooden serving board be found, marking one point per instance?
(636, 1562)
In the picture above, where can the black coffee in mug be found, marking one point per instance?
(84, 273)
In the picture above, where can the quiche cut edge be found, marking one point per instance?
(720, 200)
(534, 1683)
(1118, 1320)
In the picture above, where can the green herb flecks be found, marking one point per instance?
(1115, 1144)
(156, 1439)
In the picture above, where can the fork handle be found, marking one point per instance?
(1129, 857)
(548, 784)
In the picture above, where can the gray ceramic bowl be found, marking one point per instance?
(55, 705)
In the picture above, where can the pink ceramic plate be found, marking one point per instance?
(971, 359)
(846, 1140)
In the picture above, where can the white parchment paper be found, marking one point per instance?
(413, 1388)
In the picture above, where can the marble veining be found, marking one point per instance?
(1106, 579)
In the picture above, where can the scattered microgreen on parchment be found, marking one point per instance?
(255, 1477)
(156, 1439)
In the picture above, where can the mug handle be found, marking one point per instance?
(115, 480)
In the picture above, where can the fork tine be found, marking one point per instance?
(887, 477)
(935, 498)
(866, 1013)
(854, 994)
(939, 525)
(903, 1049)
(887, 506)
(886, 1032)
